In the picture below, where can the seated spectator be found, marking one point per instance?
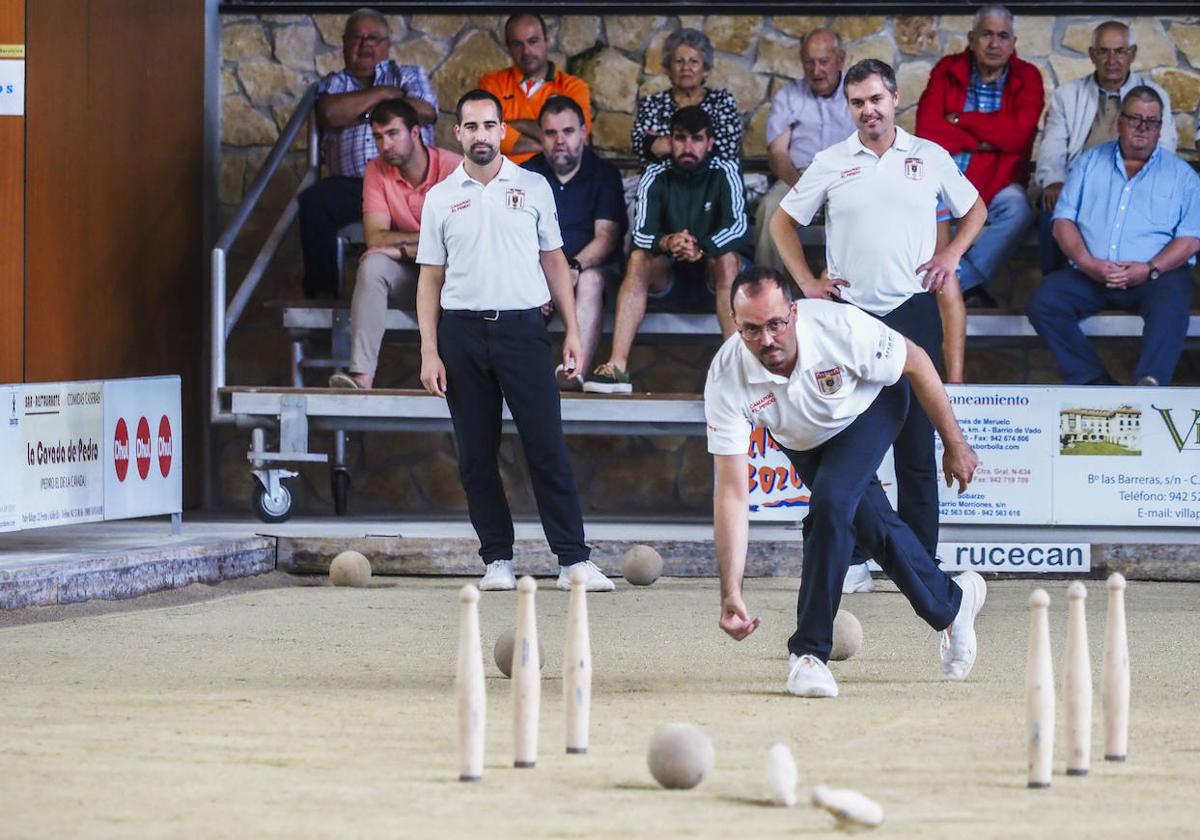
(524, 88)
(983, 106)
(394, 190)
(807, 115)
(690, 222)
(1083, 114)
(344, 99)
(1128, 219)
(591, 216)
(688, 59)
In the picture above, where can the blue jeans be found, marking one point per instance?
(1009, 216)
(1066, 297)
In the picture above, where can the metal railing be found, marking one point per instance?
(226, 314)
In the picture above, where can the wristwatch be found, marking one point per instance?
(575, 264)
(1154, 272)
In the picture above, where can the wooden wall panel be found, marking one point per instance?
(12, 215)
(115, 285)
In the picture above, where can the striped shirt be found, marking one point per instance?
(984, 97)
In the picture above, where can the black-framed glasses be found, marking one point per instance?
(1148, 123)
(1108, 52)
(753, 332)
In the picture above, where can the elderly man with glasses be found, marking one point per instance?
(344, 103)
(832, 385)
(1083, 114)
(1128, 219)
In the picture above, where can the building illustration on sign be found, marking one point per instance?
(1100, 431)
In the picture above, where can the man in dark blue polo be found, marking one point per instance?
(591, 215)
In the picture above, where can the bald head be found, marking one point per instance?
(822, 55)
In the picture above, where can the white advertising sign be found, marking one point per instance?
(12, 87)
(62, 474)
(1128, 457)
(1032, 558)
(143, 470)
(10, 456)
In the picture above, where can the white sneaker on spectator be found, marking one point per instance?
(957, 645)
(858, 579)
(596, 581)
(498, 576)
(810, 677)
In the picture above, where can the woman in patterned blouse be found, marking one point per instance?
(688, 59)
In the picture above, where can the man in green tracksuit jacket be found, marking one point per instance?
(689, 224)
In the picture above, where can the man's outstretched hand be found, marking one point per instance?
(735, 620)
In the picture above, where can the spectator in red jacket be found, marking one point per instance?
(983, 107)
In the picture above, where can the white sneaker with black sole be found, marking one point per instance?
(596, 581)
(498, 577)
(957, 645)
(858, 579)
(810, 677)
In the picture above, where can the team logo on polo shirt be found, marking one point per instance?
(462, 205)
(851, 172)
(514, 198)
(761, 403)
(829, 382)
(914, 169)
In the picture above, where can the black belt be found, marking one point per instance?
(495, 314)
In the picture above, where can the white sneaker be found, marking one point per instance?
(810, 677)
(858, 579)
(498, 576)
(596, 581)
(958, 640)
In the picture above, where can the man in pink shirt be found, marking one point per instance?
(394, 189)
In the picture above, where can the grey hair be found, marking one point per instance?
(837, 39)
(1125, 28)
(366, 14)
(868, 67)
(994, 10)
(1142, 93)
(693, 38)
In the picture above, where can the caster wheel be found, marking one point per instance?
(269, 508)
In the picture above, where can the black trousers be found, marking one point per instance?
(918, 320)
(848, 506)
(489, 362)
(326, 207)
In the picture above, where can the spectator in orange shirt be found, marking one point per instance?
(524, 88)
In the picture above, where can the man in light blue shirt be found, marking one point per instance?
(1128, 219)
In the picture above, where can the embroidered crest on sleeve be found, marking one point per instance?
(829, 382)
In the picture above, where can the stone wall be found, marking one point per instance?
(269, 60)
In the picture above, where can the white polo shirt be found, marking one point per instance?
(490, 238)
(846, 357)
(880, 220)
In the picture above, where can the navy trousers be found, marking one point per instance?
(489, 362)
(325, 208)
(848, 505)
(1066, 297)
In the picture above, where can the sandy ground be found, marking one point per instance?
(284, 707)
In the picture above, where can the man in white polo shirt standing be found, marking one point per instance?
(491, 255)
(831, 385)
(881, 187)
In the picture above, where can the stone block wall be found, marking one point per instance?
(269, 60)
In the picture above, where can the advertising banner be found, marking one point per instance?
(61, 476)
(10, 456)
(143, 473)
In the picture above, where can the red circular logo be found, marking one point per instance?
(165, 446)
(121, 449)
(141, 448)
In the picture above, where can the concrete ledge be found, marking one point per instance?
(127, 573)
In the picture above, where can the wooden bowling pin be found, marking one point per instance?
(1039, 692)
(1115, 678)
(526, 677)
(849, 807)
(470, 687)
(1077, 683)
(577, 666)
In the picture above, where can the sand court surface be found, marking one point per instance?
(281, 706)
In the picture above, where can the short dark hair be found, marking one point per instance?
(476, 95)
(868, 67)
(1142, 93)
(754, 277)
(692, 119)
(513, 18)
(558, 104)
(390, 109)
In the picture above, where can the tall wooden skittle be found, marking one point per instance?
(1116, 673)
(1039, 692)
(1077, 684)
(577, 666)
(470, 687)
(526, 677)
